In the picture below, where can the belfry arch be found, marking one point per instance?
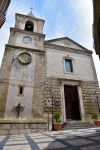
(29, 26)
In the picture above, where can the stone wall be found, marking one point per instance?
(17, 37)
(52, 90)
(38, 91)
(21, 20)
(37, 85)
(84, 73)
(89, 96)
(20, 75)
(88, 89)
(22, 127)
(4, 79)
(82, 65)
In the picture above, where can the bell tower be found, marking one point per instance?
(28, 32)
(23, 70)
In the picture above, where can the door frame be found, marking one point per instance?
(81, 105)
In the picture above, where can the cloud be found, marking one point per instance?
(84, 21)
(72, 18)
(49, 5)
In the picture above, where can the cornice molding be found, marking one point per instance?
(30, 17)
(24, 48)
(68, 49)
(27, 32)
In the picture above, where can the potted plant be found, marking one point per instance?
(57, 123)
(95, 116)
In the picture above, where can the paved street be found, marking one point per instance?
(78, 139)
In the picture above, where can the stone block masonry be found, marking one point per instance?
(4, 79)
(89, 90)
(52, 88)
(19, 127)
(38, 89)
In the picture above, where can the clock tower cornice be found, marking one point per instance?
(14, 30)
(29, 17)
(23, 48)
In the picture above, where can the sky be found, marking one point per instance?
(71, 18)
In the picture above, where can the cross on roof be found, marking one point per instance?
(31, 9)
(31, 13)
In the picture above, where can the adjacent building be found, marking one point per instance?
(4, 4)
(35, 72)
(96, 26)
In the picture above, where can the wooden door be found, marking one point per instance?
(71, 102)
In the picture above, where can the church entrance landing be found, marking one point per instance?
(72, 109)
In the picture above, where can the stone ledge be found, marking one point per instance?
(22, 121)
(22, 126)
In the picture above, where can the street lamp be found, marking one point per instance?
(52, 92)
(97, 100)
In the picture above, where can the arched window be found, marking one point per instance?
(29, 26)
(68, 64)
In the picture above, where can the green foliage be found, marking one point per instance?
(94, 115)
(57, 117)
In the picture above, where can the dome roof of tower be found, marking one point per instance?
(30, 14)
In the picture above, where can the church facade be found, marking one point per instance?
(36, 72)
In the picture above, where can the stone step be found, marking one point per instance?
(77, 125)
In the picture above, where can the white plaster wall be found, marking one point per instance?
(82, 65)
(20, 75)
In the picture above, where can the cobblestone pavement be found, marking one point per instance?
(78, 139)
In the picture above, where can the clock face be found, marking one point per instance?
(27, 39)
(24, 58)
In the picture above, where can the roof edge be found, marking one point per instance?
(62, 38)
